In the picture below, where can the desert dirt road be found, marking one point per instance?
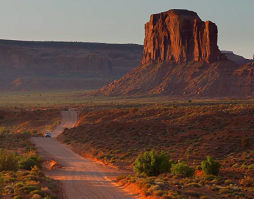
(80, 177)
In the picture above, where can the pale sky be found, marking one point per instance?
(121, 21)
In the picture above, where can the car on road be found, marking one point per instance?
(48, 134)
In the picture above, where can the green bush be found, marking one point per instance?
(210, 167)
(29, 162)
(8, 161)
(182, 168)
(151, 163)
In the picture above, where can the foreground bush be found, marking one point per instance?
(8, 161)
(151, 163)
(210, 167)
(29, 162)
(182, 168)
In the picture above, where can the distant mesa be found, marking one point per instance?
(181, 60)
(32, 65)
(236, 58)
(180, 36)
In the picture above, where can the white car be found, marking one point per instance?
(48, 134)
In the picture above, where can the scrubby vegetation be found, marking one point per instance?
(117, 133)
(120, 134)
(182, 168)
(20, 166)
(211, 167)
(17, 183)
(151, 163)
(8, 161)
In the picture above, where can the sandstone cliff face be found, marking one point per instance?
(180, 36)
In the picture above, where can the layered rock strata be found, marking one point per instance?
(180, 36)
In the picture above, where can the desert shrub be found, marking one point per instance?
(3, 132)
(182, 168)
(33, 131)
(25, 134)
(8, 161)
(36, 196)
(210, 167)
(29, 162)
(192, 193)
(38, 192)
(209, 177)
(17, 197)
(133, 110)
(199, 168)
(151, 163)
(194, 184)
(36, 171)
(1, 179)
(19, 184)
(27, 189)
(8, 189)
(247, 181)
(245, 142)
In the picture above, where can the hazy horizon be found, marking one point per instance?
(121, 22)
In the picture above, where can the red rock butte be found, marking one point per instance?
(180, 36)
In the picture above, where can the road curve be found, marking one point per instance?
(80, 177)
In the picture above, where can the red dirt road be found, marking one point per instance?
(80, 177)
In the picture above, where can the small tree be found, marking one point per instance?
(151, 163)
(182, 168)
(210, 167)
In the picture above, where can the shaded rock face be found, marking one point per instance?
(56, 57)
(31, 65)
(13, 57)
(180, 36)
(90, 62)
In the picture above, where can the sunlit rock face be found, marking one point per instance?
(180, 36)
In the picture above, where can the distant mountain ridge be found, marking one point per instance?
(80, 60)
